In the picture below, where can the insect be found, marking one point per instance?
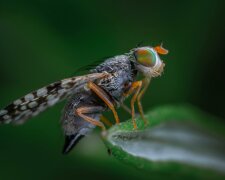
(104, 88)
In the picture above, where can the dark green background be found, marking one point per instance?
(41, 42)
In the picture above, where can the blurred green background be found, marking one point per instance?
(44, 41)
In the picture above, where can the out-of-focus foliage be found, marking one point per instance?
(176, 138)
(44, 41)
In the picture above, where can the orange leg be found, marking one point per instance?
(135, 87)
(84, 110)
(102, 95)
(105, 121)
(127, 109)
(140, 95)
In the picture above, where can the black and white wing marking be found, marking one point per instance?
(37, 101)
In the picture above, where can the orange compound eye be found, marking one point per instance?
(145, 56)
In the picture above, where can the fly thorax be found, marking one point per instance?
(116, 84)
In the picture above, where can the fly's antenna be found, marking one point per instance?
(160, 49)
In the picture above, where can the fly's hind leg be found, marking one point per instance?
(82, 111)
(102, 95)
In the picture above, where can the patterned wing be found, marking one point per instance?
(33, 103)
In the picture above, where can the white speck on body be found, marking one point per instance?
(41, 108)
(42, 92)
(65, 83)
(3, 112)
(84, 131)
(24, 113)
(36, 113)
(86, 88)
(29, 97)
(6, 117)
(53, 101)
(61, 91)
(32, 104)
(50, 97)
(7, 121)
(17, 102)
(23, 108)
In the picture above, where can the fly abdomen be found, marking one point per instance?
(74, 126)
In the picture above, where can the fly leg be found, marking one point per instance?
(102, 95)
(82, 111)
(146, 83)
(105, 121)
(135, 87)
(126, 108)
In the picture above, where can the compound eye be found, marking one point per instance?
(145, 57)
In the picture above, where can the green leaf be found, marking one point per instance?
(178, 141)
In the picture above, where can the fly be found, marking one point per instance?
(104, 88)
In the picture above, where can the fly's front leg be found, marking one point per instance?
(146, 83)
(135, 87)
(82, 111)
(102, 95)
